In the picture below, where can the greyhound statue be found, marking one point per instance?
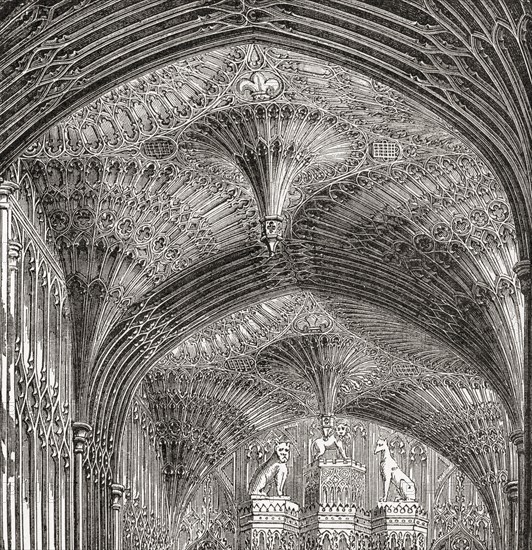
(391, 473)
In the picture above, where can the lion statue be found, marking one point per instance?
(331, 440)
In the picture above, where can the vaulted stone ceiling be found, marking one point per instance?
(248, 185)
(469, 62)
(203, 415)
(182, 163)
(294, 357)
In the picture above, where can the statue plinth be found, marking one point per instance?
(334, 492)
(334, 482)
(405, 522)
(264, 519)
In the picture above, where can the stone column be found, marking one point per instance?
(117, 491)
(7, 425)
(522, 270)
(512, 492)
(516, 437)
(81, 433)
(12, 449)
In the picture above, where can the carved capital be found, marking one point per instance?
(117, 492)
(81, 431)
(517, 438)
(512, 490)
(14, 255)
(522, 270)
(7, 188)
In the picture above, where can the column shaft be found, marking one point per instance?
(522, 269)
(117, 491)
(81, 432)
(13, 452)
(7, 421)
(511, 491)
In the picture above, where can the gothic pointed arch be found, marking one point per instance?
(268, 214)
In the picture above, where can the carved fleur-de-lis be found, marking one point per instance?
(261, 86)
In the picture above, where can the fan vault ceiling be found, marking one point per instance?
(253, 235)
(308, 360)
(468, 62)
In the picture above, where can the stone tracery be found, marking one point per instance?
(189, 161)
(149, 251)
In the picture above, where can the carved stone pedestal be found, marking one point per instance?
(336, 481)
(335, 527)
(399, 526)
(270, 523)
(333, 516)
